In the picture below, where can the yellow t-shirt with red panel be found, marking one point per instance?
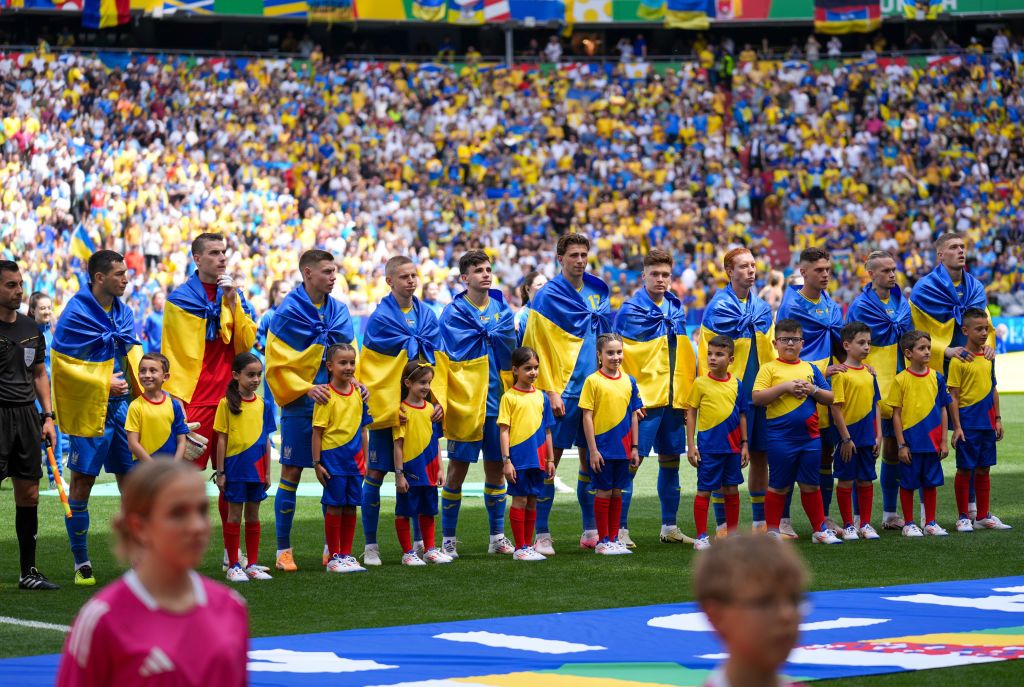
(421, 455)
(159, 424)
(857, 390)
(342, 420)
(921, 399)
(613, 401)
(247, 434)
(528, 416)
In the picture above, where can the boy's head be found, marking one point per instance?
(341, 361)
(154, 370)
(400, 274)
(856, 338)
(975, 326)
(721, 351)
(757, 616)
(917, 346)
(789, 339)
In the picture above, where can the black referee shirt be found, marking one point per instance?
(22, 347)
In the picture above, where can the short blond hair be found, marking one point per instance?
(138, 494)
(731, 564)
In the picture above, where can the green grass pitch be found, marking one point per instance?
(479, 585)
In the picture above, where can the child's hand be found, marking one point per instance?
(363, 391)
(438, 413)
(870, 369)
(693, 455)
(634, 457)
(266, 485)
(549, 469)
(846, 451)
(943, 449)
(876, 450)
(401, 484)
(221, 481)
(440, 479)
(958, 436)
(510, 472)
(744, 456)
(796, 387)
(904, 455)
(999, 430)
(321, 473)
(641, 413)
(596, 461)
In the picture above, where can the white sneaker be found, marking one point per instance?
(893, 522)
(528, 554)
(417, 547)
(589, 539)
(935, 529)
(701, 543)
(621, 549)
(964, 525)
(825, 537)
(344, 564)
(544, 545)
(255, 573)
(786, 529)
(671, 534)
(371, 555)
(436, 556)
(500, 544)
(625, 540)
(237, 574)
(850, 533)
(868, 532)
(352, 564)
(448, 546)
(605, 548)
(242, 560)
(561, 487)
(412, 559)
(775, 535)
(912, 530)
(992, 523)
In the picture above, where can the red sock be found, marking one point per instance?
(601, 508)
(529, 525)
(907, 502)
(232, 535)
(252, 542)
(865, 496)
(983, 493)
(732, 511)
(427, 529)
(929, 497)
(517, 518)
(844, 497)
(332, 533)
(347, 533)
(404, 535)
(962, 489)
(222, 508)
(774, 504)
(700, 514)
(614, 517)
(811, 501)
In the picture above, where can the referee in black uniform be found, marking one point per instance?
(23, 379)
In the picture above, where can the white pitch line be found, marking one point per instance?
(34, 624)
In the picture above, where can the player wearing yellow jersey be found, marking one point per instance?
(155, 424)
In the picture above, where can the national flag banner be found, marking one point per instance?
(82, 245)
(651, 9)
(941, 61)
(298, 9)
(103, 14)
(636, 70)
(331, 11)
(165, 8)
(466, 12)
(497, 11)
(430, 10)
(537, 11)
(922, 10)
(846, 16)
(692, 15)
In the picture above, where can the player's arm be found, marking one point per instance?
(179, 447)
(765, 396)
(692, 454)
(505, 444)
(222, 445)
(136, 447)
(845, 440)
(877, 449)
(999, 417)
(549, 467)
(266, 464)
(41, 382)
(954, 415)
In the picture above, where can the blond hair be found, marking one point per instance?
(731, 564)
(138, 494)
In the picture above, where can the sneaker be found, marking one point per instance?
(605, 548)
(344, 564)
(774, 534)
(448, 547)
(528, 553)
(934, 529)
(671, 534)
(621, 549)
(589, 539)
(850, 533)
(563, 488)
(912, 530)
(417, 547)
(237, 574)
(371, 555)
(336, 563)
(241, 559)
(992, 523)
(500, 544)
(286, 561)
(436, 556)
(868, 532)
(84, 577)
(352, 564)
(36, 580)
(893, 522)
(544, 545)
(786, 529)
(625, 539)
(255, 573)
(964, 525)
(409, 559)
(760, 528)
(825, 536)
(701, 543)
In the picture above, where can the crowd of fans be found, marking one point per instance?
(370, 160)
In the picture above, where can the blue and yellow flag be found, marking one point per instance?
(658, 353)
(467, 12)
(847, 16)
(297, 340)
(393, 338)
(190, 320)
(693, 15)
(887, 322)
(822, 323)
(471, 347)
(429, 10)
(651, 9)
(748, 323)
(936, 307)
(930, 9)
(86, 343)
(82, 245)
(563, 329)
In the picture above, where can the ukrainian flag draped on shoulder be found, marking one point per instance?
(822, 323)
(85, 344)
(388, 344)
(936, 308)
(648, 333)
(298, 339)
(748, 323)
(559, 322)
(190, 320)
(887, 322)
(463, 380)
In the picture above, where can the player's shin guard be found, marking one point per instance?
(517, 520)
(732, 511)
(332, 533)
(451, 502)
(544, 503)
(232, 536)
(844, 498)
(494, 501)
(371, 509)
(826, 483)
(348, 533)
(252, 542)
(961, 488)
(627, 498)
(811, 501)
(718, 505)
(668, 491)
(614, 517)
(78, 531)
(772, 505)
(889, 480)
(284, 513)
(602, 507)
(757, 507)
(585, 495)
(700, 514)
(983, 488)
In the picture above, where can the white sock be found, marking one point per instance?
(280, 551)
(79, 566)
(887, 515)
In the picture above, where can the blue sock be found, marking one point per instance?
(890, 481)
(627, 497)
(756, 506)
(789, 502)
(826, 482)
(544, 503)
(585, 495)
(718, 505)
(494, 501)
(284, 512)
(371, 509)
(78, 529)
(668, 491)
(451, 501)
